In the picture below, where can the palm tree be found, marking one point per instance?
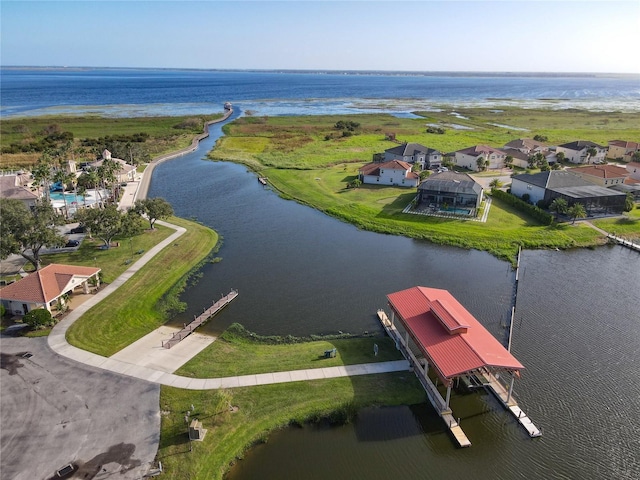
(577, 211)
(559, 206)
(591, 152)
(495, 183)
(42, 173)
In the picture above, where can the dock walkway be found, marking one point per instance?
(432, 391)
(206, 315)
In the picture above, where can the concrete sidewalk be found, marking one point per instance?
(156, 364)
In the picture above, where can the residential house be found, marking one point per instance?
(469, 157)
(394, 172)
(456, 190)
(544, 187)
(577, 152)
(622, 150)
(47, 288)
(528, 146)
(634, 170)
(415, 153)
(519, 158)
(17, 187)
(603, 175)
(125, 172)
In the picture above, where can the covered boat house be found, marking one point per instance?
(445, 344)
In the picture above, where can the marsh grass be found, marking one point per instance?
(307, 161)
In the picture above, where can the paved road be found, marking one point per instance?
(56, 411)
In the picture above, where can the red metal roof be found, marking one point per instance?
(453, 341)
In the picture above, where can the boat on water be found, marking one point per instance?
(262, 180)
(227, 105)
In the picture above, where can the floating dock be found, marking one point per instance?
(197, 321)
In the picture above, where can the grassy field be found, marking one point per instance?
(132, 311)
(307, 159)
(232, 355)
(166, 134)
(259, 410)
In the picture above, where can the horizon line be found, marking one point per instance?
(327, 70)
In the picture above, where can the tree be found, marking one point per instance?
(540, 138)
(481, 164)
(42, 173)
(38, 318)
(25, 232)
(559, 206)
(560, 156)
(577, 211)
(508, 161)
(636, 156)
(104, 223)
(495, 183)
(628, 203)
(592, 152)
(154, 209)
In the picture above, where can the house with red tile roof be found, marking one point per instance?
(622, 150)
(603, 175)
(469, 157)
(395, 172)
(47, 287)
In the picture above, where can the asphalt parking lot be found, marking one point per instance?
(57, 412)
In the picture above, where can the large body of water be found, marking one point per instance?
(298, 271)
(132, 92)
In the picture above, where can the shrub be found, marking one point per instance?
(39, 318)
(533, 211)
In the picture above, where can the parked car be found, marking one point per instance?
(79, 229)
(72, 243)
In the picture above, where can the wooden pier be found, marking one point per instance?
(624, 242)
(197, 321)
(433, 394)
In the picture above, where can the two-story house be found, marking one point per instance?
(580, 151)
(470, 158)
(415, 153)
(622, 150)
(394, 172)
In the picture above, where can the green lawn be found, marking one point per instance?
(627, 227)
(261, 409)
(232, 355)
(132, 311)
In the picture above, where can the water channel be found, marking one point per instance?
(298, 272)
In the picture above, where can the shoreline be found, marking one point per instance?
(143, 188)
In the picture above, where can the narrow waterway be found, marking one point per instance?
(298, 272)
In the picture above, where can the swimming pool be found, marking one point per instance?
(458, 211)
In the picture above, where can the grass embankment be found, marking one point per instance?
(236, 353)
(262, 409)
(132, 311)
(308, 160)
(627, 227)
(166, 134)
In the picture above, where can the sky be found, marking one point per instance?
(427, 35)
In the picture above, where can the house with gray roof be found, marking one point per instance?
(456, 190)
(578, 152)
(415, 153)
(544, 187)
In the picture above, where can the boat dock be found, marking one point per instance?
(624, 242)
(433, 395)
(197, 321)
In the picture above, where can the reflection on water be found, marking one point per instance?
(298, 271)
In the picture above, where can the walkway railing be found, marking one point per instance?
(197, 321)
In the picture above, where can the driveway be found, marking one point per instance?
(57, 412)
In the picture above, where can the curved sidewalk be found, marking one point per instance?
(58, 343)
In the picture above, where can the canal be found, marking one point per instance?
(298, 271)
